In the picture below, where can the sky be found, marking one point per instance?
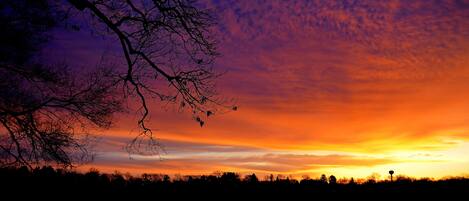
(349, 88)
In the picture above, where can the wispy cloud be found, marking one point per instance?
(368, 77)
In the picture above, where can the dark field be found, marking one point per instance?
(52, 183)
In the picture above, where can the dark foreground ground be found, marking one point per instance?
(44, 183)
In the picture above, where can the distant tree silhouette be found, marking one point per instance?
(166, 178)
(270, 178)
(229, 178)
(251, 179)
(332, 180)
(169, 54)
(351, 181)
(48, 181)
(373, 178)
(323, 179)
(279, 177)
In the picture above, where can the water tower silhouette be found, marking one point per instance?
(391, 172)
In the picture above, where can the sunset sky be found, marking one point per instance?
(348, 88)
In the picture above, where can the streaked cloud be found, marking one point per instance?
(197, 158)
(361, 80)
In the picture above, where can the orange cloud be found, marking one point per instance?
(373, 78)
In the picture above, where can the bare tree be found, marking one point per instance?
(168, 55)
(41, 104)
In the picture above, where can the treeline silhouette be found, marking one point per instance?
(49, 182)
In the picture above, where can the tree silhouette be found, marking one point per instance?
(168, 51)
(332, 180)
(40, 103)
(48, 181)
(169, 41)
(229, 178)
(323, 179)
(351, 181)
(252, 179)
